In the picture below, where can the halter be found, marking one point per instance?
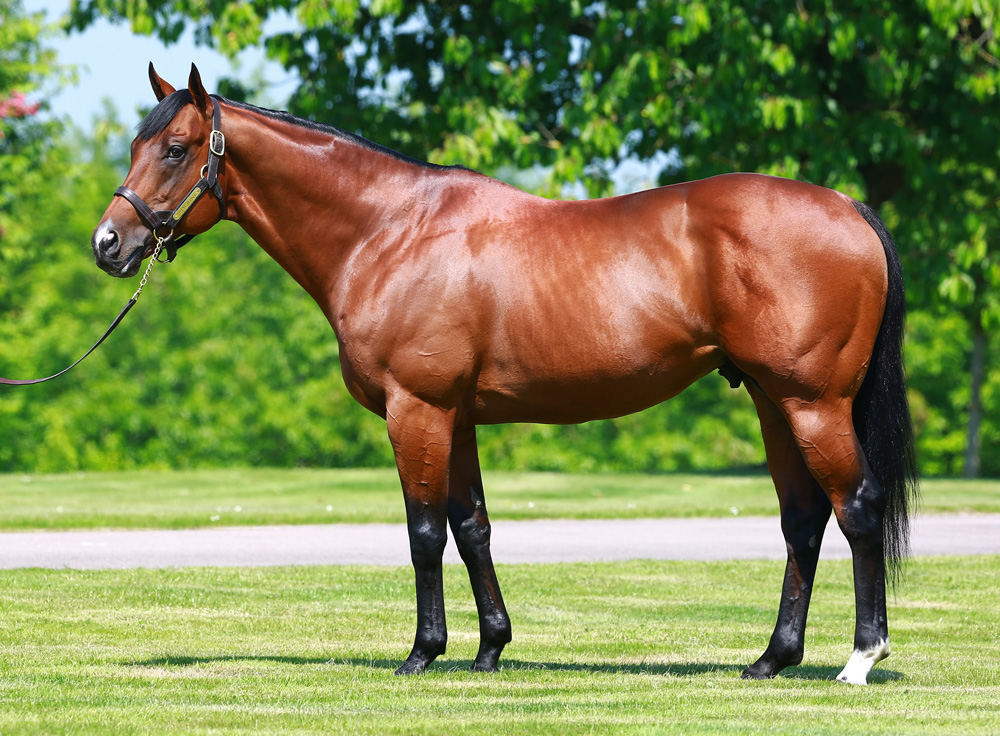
(167, 219)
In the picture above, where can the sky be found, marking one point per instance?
(112, 63)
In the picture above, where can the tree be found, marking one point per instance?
(889, 101)
(24, 64)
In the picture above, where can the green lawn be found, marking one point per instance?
(154, 499)
(624, 648)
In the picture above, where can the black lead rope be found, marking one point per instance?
(159, 220)
(28, 382)
(121, 315)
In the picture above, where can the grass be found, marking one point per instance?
(624, 648)
(197, 498)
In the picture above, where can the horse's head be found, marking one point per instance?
(176, 157)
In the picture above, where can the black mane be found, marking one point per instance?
(161, 115)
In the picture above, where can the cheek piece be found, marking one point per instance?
(167, 220)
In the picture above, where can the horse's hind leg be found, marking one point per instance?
(824, 432)
(421, 437)
(805, 511)
(470, 526)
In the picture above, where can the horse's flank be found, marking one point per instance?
(464, 290)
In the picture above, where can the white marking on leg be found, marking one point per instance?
(861, 663)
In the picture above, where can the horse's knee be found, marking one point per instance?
(427, 542)
(472, 535)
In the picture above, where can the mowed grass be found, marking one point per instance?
(623, 648)
(185, 499)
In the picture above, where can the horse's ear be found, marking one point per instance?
(161, 88)
(197, 90)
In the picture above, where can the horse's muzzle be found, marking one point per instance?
(107, 246)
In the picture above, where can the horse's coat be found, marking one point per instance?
(458, 300)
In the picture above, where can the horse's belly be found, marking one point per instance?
(579, 393)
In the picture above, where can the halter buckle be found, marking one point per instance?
(217, 143)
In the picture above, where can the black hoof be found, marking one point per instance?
(769, 666)
(412, 667)
(759, 672)
(487, 658)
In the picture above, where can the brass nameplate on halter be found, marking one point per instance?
(184, 206)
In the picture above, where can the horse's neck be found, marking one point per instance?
(309, 198)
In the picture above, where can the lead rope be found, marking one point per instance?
(121, 315)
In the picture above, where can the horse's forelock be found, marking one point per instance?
(161, 115)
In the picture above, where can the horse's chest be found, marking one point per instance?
(380, 362)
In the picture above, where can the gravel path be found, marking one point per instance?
(513, 542)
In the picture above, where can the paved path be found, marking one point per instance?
(513, 542)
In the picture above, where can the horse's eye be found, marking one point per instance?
(175, 152)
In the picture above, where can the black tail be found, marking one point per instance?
(882, 411)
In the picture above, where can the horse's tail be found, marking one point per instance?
(882, 411)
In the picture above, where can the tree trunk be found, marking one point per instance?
(975, 397)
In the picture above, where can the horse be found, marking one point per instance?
(458, 301)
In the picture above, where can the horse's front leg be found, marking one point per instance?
(421, 437)
(470, 526)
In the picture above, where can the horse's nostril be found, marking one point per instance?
(109, 244)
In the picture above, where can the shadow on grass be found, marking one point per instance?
(514, 665)
(195, 661)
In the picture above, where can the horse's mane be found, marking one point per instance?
(161, 115)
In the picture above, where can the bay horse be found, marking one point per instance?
(458, 300)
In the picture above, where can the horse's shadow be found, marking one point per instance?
(169, 661)
(686, 669)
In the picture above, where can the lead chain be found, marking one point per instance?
(145, 277)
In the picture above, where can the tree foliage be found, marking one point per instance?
(226, 361)
(24, 64)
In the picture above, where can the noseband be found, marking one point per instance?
(169, 219)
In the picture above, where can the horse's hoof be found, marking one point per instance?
(758, 673)
(487, 658)
(411, 667)
(764, 668)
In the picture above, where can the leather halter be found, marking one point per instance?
(169, 219)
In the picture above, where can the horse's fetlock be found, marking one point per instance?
(495, 628)
(431, 644)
